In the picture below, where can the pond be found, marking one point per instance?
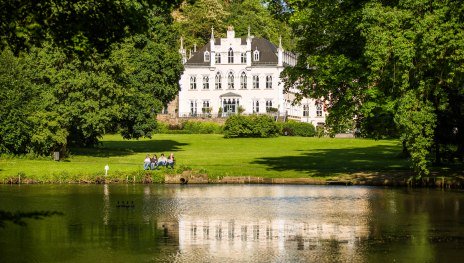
(232, 223)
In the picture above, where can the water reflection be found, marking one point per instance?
(253, 223)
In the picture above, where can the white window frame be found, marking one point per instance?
(268, 105)
(206, 82)
(206, 105)
(305, 110)
(318, 109)
(268, 82)
(218, 81)
(255, 106)
(193, 82)
(230, 56)
(243, 58)
(217, 58)
(193, 108)
(255, 82)
(256, 55)
(230, 80)
(243, 81)
(206, 56)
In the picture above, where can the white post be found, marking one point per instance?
(107, 167)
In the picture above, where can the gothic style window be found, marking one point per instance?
(230, 81)
(206, 56)
(218, 81)
(268, 82)
(255, 82)
(193, 82)
(256, 55)
(243, 58)
(205, 82)
(230, 56)
(218, 58)
(256, 106)
(268, 105)
(305, 110)
(243, 81)
(318, 109)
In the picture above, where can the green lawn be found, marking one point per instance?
(292, 157)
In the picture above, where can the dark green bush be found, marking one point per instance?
(293, 128)
(250, 126)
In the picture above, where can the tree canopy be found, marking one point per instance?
(72, 70)
(394, 67)
(195, 20)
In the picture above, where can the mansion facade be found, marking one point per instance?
(231, 75)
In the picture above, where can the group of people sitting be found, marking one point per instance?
(154, 162)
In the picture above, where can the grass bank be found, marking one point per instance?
(281, 157)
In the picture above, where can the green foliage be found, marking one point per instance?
(193, 127)
(294, 128)
(78, 26)
(194, 21)
(69, 82)
(417, 120)
(262, 126)
(190, 127)
(396, 67)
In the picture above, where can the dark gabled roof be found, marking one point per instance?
(198, 58)
(267, 52)
(230, 94)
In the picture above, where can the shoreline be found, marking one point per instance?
(391, 179)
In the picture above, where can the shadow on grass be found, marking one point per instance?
(325, 162)
(123, 148)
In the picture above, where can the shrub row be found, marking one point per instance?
(190, 127)
(250, 126)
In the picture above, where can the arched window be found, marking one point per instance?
(206, 56)
(218, 81)
(193, 82)
(268, 82)
(205, 82)
(230, 56)
(256, 55)
(243, 81)
(230, 80)
(218, 58)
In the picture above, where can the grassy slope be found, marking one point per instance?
(272, 157)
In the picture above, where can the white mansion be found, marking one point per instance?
(231, 74)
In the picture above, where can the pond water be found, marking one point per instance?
(232, 223)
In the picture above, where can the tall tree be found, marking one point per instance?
(81, 68)
(378, 61)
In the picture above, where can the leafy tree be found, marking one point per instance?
(253, 14)
(194, 21)
(378, 61)
(78, 26)
(68, 81)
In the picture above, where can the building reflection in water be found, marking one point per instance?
(217, 229)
